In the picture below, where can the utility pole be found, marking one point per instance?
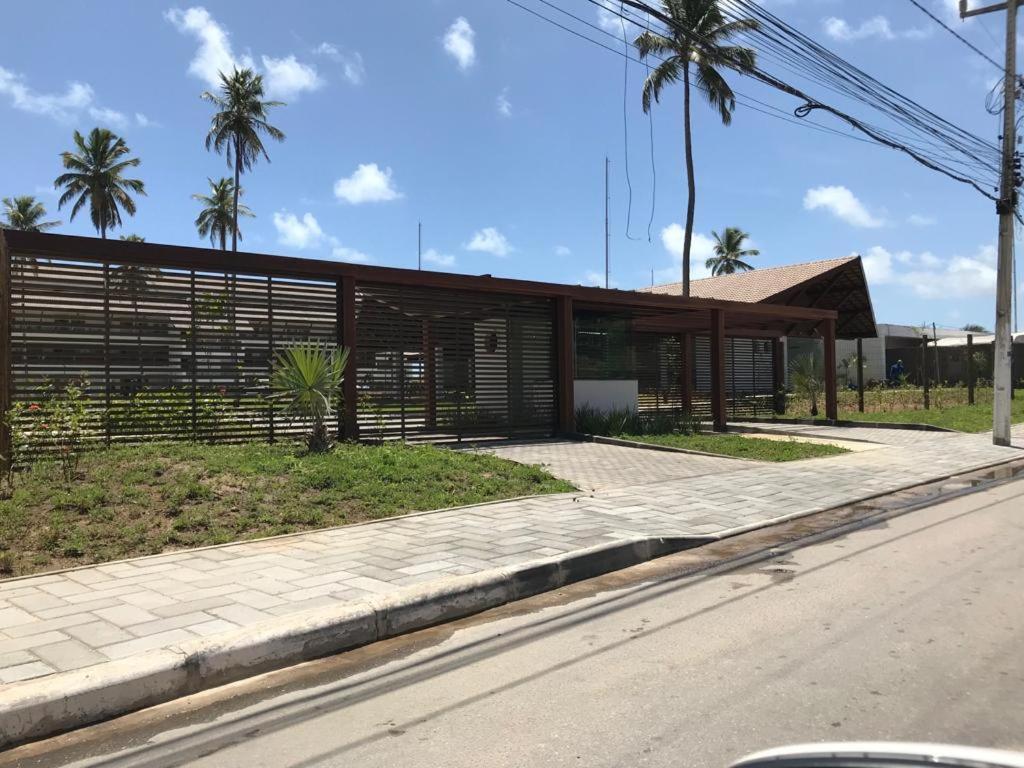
(607, 233)
(419, 245)
(1005, 207)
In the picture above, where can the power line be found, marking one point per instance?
(957, 35)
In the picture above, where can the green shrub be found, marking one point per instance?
(622, 421)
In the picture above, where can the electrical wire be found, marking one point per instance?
(957, 35)
(625, 127)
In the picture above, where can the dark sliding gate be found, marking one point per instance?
(446, 364)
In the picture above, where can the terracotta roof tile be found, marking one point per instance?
(753, 287)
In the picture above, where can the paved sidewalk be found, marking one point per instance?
(64, 621)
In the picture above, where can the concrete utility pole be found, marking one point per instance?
(1002, 376)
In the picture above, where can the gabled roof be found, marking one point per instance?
(759, 285)
(837, 284)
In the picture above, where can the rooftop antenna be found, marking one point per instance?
(607, 236)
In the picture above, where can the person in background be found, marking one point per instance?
(896, 373)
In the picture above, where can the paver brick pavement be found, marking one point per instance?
(62, 621)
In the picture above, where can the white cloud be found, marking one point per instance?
(108, 117)
(458, 42)
(503, 104)
(877, 27)
(702, 248)
(432, 256)
(142, 121)
(920, 220)
(367, 184)
(931, 277)
(285, 77)
(562, 250)
(304, 233)
(842, 204)
(294, 232)
(489, 240)
(351, 61)
(596, 279)
(77, 100)
(610, 21)
(341, 253)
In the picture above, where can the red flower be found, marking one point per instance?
(223, 390)
(34, 407)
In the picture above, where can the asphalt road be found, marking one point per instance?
(910, 630)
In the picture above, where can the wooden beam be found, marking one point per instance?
(347, 318)
(566, 364)
(860, 375)
(831, 391)
(430, 373)
(779, 376)
(74, 248)
(970, 369)
(718, 409)
(686, 370)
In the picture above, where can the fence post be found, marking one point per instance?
(686, 371)
(106, 349)
(970, 369)
(6, 383)
(779, 376)
(270, 353)
(193, 360)
(831, 382)
(718, 406)
(346, 319)
(924, 372)
(860, 374)
(565, 363)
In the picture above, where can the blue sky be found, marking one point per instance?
(491, 127)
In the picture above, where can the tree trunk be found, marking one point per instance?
(234, 209)
(691, 188)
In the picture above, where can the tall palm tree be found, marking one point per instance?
(217, 217)
(730, 253)
(699, 41)
(237, 126)
(26, 213)
(96, 176)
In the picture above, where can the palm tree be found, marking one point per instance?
(95, 176)
(699, 40)
(237, 126)
(729, 253)
(218, 215)
(26, 213)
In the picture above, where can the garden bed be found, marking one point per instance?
(753, 448)
(142, 500)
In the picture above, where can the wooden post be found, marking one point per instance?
(971, 373)
(194, 366)
(346, 301)
(718, 370)
(924, 373)
(270, 354)
(565, 363)
(779, 377)
(430, 374)
(831, 385)
(860, 374)
(106, 350)
(6, 379)
(686, 371)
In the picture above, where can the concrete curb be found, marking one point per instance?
(602, 440)
(849, 423)
(36, 709)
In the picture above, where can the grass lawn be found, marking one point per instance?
(742, 447)
(142, 500)
(963, 418)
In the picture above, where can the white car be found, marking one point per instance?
(881, 754)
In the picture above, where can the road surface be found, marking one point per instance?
(910, 630)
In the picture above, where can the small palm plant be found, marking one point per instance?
(806, 373)
(307, 377)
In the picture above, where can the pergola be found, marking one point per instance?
(74, 275)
